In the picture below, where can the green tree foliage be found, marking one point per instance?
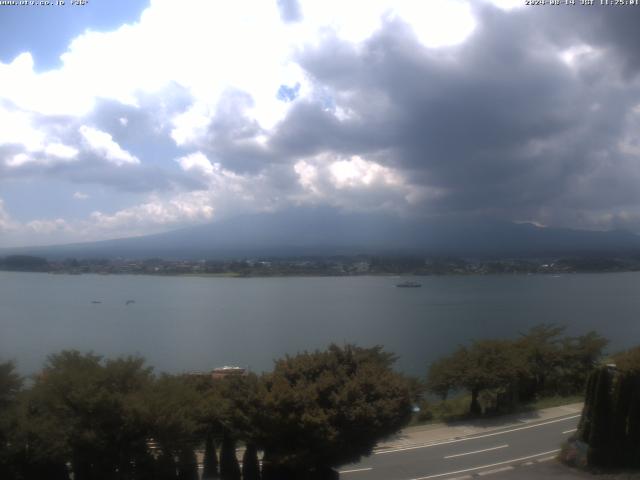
(579, 356)
(93, 407)
(173, 412)
(10, 386)
(540, 362)
(628, 361)
(328, 408)
(446, 374)
(543, 354)
(485, 365)
(238, 404)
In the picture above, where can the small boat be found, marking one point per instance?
(129, 302)
(96, 301)
(408, 284)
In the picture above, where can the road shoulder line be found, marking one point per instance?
(481, 467)
(474, 437)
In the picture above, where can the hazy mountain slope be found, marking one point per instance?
(322, 231)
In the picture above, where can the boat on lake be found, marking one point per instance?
(408, 284)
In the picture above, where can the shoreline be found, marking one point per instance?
(327, 275)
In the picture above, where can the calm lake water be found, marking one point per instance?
(190, 323)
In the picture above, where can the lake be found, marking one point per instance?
(198, 323)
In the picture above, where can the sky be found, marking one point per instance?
(127, 117)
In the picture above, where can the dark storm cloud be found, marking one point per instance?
(501, 124)
(613, 27)
(231, 137)
(289, 10)
(149, 116)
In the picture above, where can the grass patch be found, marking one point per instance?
(555, 401)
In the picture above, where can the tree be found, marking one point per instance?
(628, 361)
(187, 465)
(238, 402)
(445, 374)
(600, 434)
(250, 465)
(584, 426)
(540, 347)
(10, 386)
(579, 357)
(210, 470)
(229, 467)
(87, 412)
(540, 362)
(327, 408)
(485, 365)
(610, 421)
(174, 413)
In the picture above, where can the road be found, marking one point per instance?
(480, 454)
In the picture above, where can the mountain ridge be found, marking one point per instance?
(323, 232)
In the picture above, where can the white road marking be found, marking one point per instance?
(465, 439)
(546, 459)
(477, 451)
(355, 470)
(570, 431)
(486, 466)
(495, 470)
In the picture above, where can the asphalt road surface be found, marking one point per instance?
(490, 452)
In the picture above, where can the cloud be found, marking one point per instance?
(495, 127)
(439, 108)
(102, 143)
(183, 209)
(196, 162)
(80, 196)
(6, 224)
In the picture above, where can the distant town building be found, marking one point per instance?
(227, 371)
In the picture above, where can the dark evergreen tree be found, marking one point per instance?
(250, 465)
(229, 467)
(621, 402)
(584, 426)
(210, 461)
(166, 467)
(268, 471)
(187, 464)
(145, 467)
(610, 422)
(37, 470)
(599, 453)
(633, 422)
